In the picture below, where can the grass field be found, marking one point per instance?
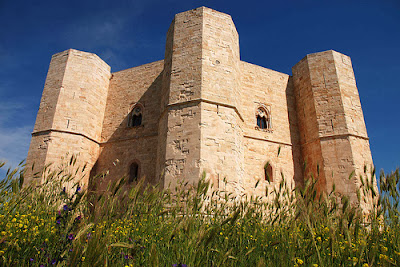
(53, 225)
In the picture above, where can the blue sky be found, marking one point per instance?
(273, 34)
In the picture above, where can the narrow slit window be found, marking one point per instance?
(268, 172)
(133, 172)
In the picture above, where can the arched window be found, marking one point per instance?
(268, 172)
(133, 172)
(135, 117)
(263, 118)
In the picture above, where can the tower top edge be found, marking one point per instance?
(318, 53)
(204, 8)
(87, 54)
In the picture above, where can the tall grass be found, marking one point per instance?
(192, 226)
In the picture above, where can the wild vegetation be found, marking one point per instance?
(55, 224)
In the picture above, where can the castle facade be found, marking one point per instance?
(202, 109)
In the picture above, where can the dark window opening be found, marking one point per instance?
(263, 119)
(135, 118)
(262, 122)
(133, 172)
(268, 173)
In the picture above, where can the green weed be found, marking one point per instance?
(58, 223)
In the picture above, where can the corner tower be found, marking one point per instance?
(71, 111)
(331, 123)
(200, 109)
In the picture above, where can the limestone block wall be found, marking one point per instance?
(220, 59)
(121, 145)
(310, 147)
(71, 111)
(82, 99)
(330, 120)
(51, 91)
(62, 145)
(138, 85)
(222, 147)
(116, 158)
(179, 142)
(184, 58)
(358, 137)
(40, 138)
(349, 95)
(272, 90)
(199, 109)
(182, 157)
(221, 122)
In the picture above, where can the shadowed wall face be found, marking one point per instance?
(122, 144)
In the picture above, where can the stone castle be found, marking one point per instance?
(202, 109)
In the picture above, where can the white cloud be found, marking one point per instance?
(14, 144)
(91, 33)
(7, 110)
(15, 134)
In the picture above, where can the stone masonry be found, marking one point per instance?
(202, 109)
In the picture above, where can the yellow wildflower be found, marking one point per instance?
(383, 257)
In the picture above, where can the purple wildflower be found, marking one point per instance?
(58, 221)
(89, 235)
(65, 207)
(31, 259)
(70, 236)
(126, 257)
(179, 265)
(53, 262)
(78, 189)
(59, 212)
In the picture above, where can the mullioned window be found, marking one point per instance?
(136, 116)
(263, 119)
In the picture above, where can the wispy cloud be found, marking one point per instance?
(14, 138)
(8, 110)
(14, 144)
(105, 36)
(98, 32)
